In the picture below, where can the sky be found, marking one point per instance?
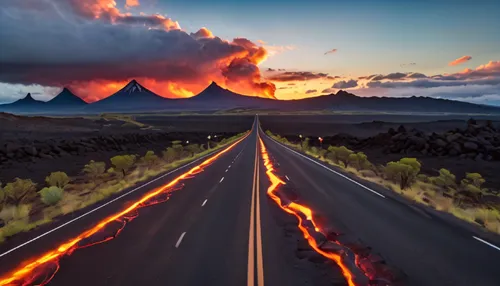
(278, 49)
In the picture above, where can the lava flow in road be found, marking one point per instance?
(301, 212)
(41, 270)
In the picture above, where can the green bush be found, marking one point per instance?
(150, 159)
(321, 153)
(94, 169)
(446, 180)
(11, 212)
(340, 154)
(404, 171)
(472, 184)
(358, 160)
(314, 151)
(123, 163)
(304, 145)
(269, 133)
(193, 149)
(57, 179)
(179, 150)
(2, 196)
(51, 195)
(20, 191)
(169, 155)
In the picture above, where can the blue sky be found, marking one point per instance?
(371, 36)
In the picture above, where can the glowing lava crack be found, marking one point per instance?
(42, 269)
(305, 217)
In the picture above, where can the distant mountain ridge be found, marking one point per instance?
(134, 97)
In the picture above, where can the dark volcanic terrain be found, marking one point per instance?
(32, 147)
(448, 142)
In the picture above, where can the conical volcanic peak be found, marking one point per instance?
(133, 86)
(66, 97)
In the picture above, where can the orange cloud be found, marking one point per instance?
(132, 3)
(460, 60)
(274, 50)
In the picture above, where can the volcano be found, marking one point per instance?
(26, 104)
(131, 97)
(66, 99)
(216, 97)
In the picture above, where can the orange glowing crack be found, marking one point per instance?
(295, 209)
(26, 273)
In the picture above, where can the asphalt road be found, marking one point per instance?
(220, 228)
(429, 250)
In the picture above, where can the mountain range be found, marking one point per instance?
(134, 97)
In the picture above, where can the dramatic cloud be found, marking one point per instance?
(94, 48)
(298, 76)
(311, 91)
(328, 90)
(345, 84)
(460, 60)
(132, 3)
(331, 51)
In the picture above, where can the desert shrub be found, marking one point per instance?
(94, 169)
(305, 144)
(314, 151)
(2, 196)
(269, 133)
(368, 173)
(358, 160)
(285, 141)
(20, 191)
(422, 177)
(472, 184)
(179, 150)
(150, 159)
(321, 153)
(123, 163)
(446, 180)
(169, 155)
(110, 170)
(11, 212)
(51, 195)
(195, 148)
(341, 154)
(57, 179)
(404, 171)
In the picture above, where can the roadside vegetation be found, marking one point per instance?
(466, 199)
(25, 205)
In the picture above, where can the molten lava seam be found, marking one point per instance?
(29, 272)
(297, 209)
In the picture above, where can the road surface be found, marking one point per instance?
(220, 228)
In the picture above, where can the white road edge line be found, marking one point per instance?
(333, 171)
(180, 240)
(287, 178)
(487, 243)
(101, 206)
(221, 180)
(204, 202)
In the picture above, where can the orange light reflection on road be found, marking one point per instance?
(24, 275)
(297, 209)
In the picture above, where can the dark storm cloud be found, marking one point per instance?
(345, 84)
(56, 43)
(297, 76)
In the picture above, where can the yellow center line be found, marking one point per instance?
(260, 264)
(250, 267)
